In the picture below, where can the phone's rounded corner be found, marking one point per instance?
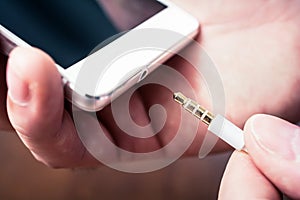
(86, 102)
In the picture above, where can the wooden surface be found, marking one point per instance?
(22, 177)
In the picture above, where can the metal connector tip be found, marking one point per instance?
(194, 108)
(179, 98)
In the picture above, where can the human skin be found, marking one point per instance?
(270, 165)
(254, 45)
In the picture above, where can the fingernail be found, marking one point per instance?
(18, 89)
(277, 137)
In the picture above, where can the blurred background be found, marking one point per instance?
(22, 177)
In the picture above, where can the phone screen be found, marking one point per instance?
(70, 30)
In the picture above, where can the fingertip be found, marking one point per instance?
(248, 125)
(249, 129)
(242, 180)
(31, 64)
(35, 91)
(273, 136)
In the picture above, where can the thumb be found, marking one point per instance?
(274, 146)
(35, 94)
(35, 106)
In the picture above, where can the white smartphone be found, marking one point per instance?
(70, 30)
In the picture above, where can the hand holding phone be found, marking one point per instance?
(72, 32)
(220, 31)
(35, 100)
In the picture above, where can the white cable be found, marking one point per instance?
(228, 132)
